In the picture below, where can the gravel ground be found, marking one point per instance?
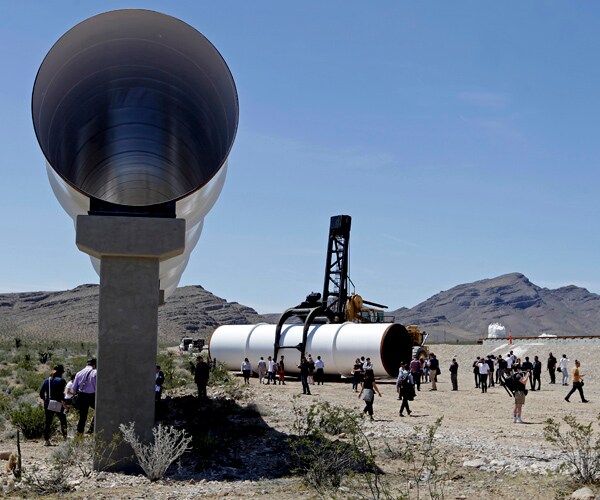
(492, 457)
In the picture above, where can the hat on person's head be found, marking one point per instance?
(59, 369)
(91, 361)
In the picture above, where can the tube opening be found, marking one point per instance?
(134, 107)
(396, 346)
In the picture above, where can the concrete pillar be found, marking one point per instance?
(129, 249)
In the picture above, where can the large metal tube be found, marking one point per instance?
(387, 344)
(138, 109)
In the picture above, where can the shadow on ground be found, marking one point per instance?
(230, 441)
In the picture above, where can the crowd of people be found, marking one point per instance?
(493, 370)
(79, 391)
(272, 371)
(488, 371)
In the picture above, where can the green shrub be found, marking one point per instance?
(580, 447)
(324, 463)
(18, 391)
(5, 404)
(30, 419)
(335, 419)
(427, 467)
(24, 361)
(220, 375)
(31, 380)
(180, 378)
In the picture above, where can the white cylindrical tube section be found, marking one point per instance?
(192, 208)
(387, 344)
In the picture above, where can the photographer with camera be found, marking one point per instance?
(520, 393)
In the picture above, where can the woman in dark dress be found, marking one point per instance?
(356, 374)
(367, 391)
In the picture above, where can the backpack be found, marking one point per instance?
(513, 383)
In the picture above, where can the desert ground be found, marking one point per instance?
(489, 455)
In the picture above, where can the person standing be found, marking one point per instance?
(262, 370)
(69, 393)
(551, 367)
(368, 387)
(497, 369)
(563, 367)
(356, 374)
(577, 383)
(84, 385)
(434, 367)
(201, 376)
(304, 371)
(484, 369)
(159, 380)
(406, 388)
(53, 390)
(281, 372)
(527, 366)
(490, 363)
(510, 361)
(271, 370)
(424, 369)
(319, 370)
(476, 371)
(516, 366)
(519, 395)
(415, 371)
(246, 369)
(502, 369)
(454, 374)
(537, 374)
(311, 370)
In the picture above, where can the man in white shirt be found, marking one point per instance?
(484, 369)
(271, 370)
(262, 369)
(319, 370)
(510, 360)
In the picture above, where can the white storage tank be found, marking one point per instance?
(496, 331)
(387, 344)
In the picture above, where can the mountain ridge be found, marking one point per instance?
(512, 299)
(462, 312)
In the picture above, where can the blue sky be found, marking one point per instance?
(462, 138)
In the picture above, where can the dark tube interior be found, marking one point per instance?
(396, 346)
(134, 107)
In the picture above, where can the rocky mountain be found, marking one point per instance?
(73, 314)
(463, 312)
(525, 309)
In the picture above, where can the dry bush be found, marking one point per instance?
(155, 458)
